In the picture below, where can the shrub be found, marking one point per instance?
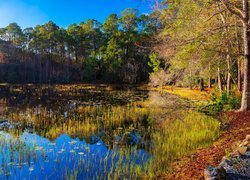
(221, 103)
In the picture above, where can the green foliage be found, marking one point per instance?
(220, 103)
(234, 102)
(14, 33)
(212, 108)
(111, 24)
(85, 52)
(129, 19)
(89, 68)
(154, 62)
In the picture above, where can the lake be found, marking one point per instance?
(94, 131)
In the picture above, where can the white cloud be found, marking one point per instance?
(21, 13)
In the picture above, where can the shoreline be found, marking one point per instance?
(193, 167)
(236, 125)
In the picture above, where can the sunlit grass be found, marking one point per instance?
(191, 94)
(85, 121)
(172, 141)
(73, 129)
(169, 142)
(180, 138)
(168, 130)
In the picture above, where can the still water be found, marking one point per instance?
(70, 132)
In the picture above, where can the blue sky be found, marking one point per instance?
(28, 13)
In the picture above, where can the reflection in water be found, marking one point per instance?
(80, 134)
(94, 132)
(40, 158)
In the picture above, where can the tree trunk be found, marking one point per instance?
(219, 81)
(228, 75)
(76, 56)
(245, 103)
(190, 80)
(209, 79)
(239, 76)
(202, 84)
(228, 58)
(209, 82)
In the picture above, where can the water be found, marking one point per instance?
(83, 133)
(53, 160)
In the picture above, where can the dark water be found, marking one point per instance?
(84, 133)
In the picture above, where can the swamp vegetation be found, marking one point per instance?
(87, 131)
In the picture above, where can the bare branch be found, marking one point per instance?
(234, 10)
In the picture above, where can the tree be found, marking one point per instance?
(88, 51)
(27, 32)
(185, 39)
(243, 15)
(74, 39)
(111, 25)
(129, 19)
(14, 34)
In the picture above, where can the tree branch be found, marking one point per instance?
(233, 10)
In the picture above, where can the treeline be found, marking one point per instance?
(204, 42)
(90, 51)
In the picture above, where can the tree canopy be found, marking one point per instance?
(90, 51)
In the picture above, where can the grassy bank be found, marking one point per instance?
(172, 141)
(187, 93)
(192, 167)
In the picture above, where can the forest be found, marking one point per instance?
(184, 43)
(111, 52)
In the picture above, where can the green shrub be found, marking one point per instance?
(224, 98)
(234, 101)
(212, 108)
(220, 103)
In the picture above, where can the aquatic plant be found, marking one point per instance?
(160, 126)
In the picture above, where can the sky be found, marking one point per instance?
(29, 13)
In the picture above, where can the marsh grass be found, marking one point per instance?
(180, 138)
(168, 129)
(85, 121)
(14, 152)
(171, 142)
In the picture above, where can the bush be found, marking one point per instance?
(234, 102)
(221, 103)
(212, 108)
